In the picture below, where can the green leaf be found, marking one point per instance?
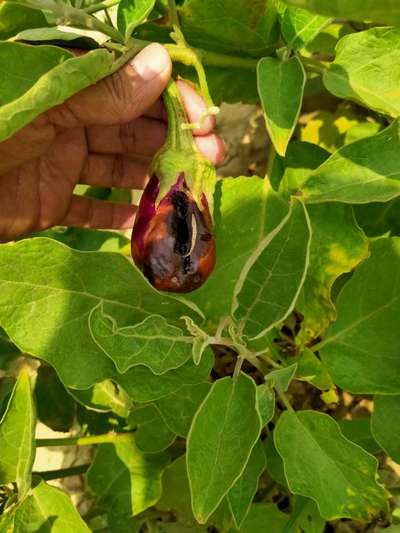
(361, 347)
(275, 466)
(104, 397)
(385, 424)
(281, 88)
(17, 433)
(242, 493)
(132, 13)
(281, 378)
(15, 18)
(384, 11)
(260, 515)
(339, 475)
(55, 407)
(52, 289)
(179, 408)
(88, 240)
(144, 386)
(246, 27)
(265, 403)
(153, 343)
(51, 76)
(299, 26)
(305, 517)
(365, 171)
(378, 219)
(152, 434)
(47, 35)
(123, 479)
(273, 275)
(311, 369)
(337, 246)
(224, 431)
(366, 70)
(246, 210)
(46, 509)
(359, 431)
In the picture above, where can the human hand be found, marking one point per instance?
(106, 136)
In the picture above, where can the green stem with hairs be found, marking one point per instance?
(100, 6)
(83, 441)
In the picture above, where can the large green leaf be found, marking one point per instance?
(15, 18)
(262, 515)
(131, 13)
(152, 434)
(338, 246)
(46, 509)
(51, 75)
(224, 431)
(242, 493)
(325, 466)
(153, 342)
(247, 209)
(179, 408)
(281, 87)
(366, 69)
(248, 27)
(385, 424)
(57, 37)
(50, 290)
(123, 479)
(385, 11)
(365, 171)
(299, 26)
(17, 433)
(144, 386)
(273, 275)
(358, 430)
(361, 350)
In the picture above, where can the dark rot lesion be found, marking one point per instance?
(173, 243)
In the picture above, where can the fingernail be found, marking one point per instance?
(151, 62)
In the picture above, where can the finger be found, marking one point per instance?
(212, 147)
(196, 108)
(103, 170)
(141, 137)
(87, 212)
(121, 97)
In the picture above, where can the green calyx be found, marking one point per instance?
(180, 155)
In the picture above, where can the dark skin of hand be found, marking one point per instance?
(106, 136)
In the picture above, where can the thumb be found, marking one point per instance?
(121, 97)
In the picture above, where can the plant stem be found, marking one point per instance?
(285, 400)
(48, 475)
(82, 441)
(100, 6)
(173, 13)
(267, 359)
(314, 65)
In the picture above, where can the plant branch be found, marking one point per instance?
(82, 441)
(48, 475)
(100, 6)
(285, 400)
